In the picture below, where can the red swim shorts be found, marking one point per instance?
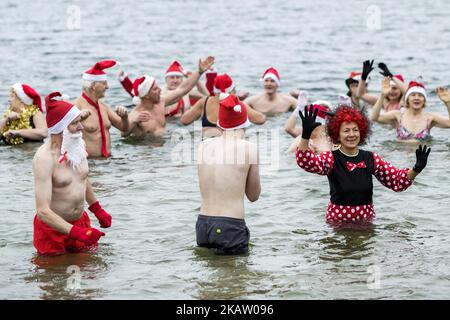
(48, 241)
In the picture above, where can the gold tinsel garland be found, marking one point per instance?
(22, 122)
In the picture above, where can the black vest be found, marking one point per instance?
(351, 188)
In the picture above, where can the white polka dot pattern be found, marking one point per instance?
(321, 164)
(389, 176)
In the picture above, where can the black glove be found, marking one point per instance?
(309, 121)
(385, 69)
(367, 68)
(422, 158)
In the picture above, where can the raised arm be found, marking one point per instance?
(194, 113)
(399, 179)
(362, 89)
(439, 120)
(387, 117)
(172, 96)
(290, 127)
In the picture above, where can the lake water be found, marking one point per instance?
(150, 251)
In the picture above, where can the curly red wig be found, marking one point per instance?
(347, 114)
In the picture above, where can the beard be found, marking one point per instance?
(74, 147)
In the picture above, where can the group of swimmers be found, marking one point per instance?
(327, 143)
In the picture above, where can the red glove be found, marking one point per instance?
(103, 217)
(87, 235)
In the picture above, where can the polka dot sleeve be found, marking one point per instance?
(389, 176)
(321, 164)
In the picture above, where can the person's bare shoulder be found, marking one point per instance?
(252, 99)
(289, 99)
(43, 157)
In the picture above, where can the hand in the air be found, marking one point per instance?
(309, 121)
(421, 158)
(385, 71)
(367, 69)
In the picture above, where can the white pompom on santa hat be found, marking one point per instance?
(27, 95)
(96, 73)
(175, 69)
(60, 113)
(232, 114)
(271, 73)
(141, 87)
(415, 87)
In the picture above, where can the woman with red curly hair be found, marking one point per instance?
(350, 169)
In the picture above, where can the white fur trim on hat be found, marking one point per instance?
(94, 77)
(64, 122)
(416, 90)
(223, 95)
(145, 86)
(18, 89)
(272, 76)
(246, 124)
(174, 73)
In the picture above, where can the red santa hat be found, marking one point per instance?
(27, 95)
(355, 76)
(324, 107)
(271, 73)
(175, 69)
(415, 87)
(96, 73)
(59, 113)
(141, 87)
(232, 114)
(399, 77)
(223, 83)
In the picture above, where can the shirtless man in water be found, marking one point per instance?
(60, 170)
(174, 76)
(148, 117)
(96, 127)
(228, 169)
(271, 102)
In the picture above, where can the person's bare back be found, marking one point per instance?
(228, 169)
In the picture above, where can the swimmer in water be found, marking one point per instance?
(271, 102)
(319, 141)
(394, 99)
(208, 109)
(96, 128)
(148, 117)
(24, 120)
(412, 123)
(349, 169)
(228, 170)
(60, 170)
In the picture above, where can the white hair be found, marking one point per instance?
(87, 85)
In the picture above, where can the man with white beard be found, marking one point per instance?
(60, 170)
